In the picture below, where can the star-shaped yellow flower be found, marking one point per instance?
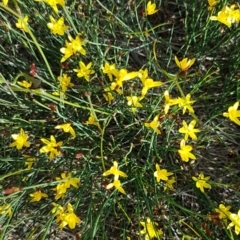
(133, 101)
(185, 152)
(51, 147)
(20, 140)
(161, 174)
(115, 171)
(189, 130)
(57, 26)
(66, 127)
(233, 114)
(37, 196)
(154, 124)
(84, 70)
(150, 230)
(201, 182)
(151, 8)
(22, 23)
(185, 64)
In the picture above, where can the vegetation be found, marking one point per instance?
(119, 119)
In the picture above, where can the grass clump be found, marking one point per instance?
(119, 120)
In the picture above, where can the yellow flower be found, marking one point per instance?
(29, 161)
(151, 8)
(233, 114)
(201, 182)
(92, 121)
(223, 211)
(66, 127)
(57, 209)
(57, 27)
(25, 84)
(189, 130)
(161, 174)
(6, 210)
(110, 70)
(169, 102)
(185, 152)
(20, 140)
(117, 184)
(72, 47)
(121, 76)
(212, 4)
(22, 23)
(84, 71)
(235, 221)
(68, 218)
(186, 103)
(227, 15)
(108, 95)
(65, 82)
(147, 82)
(51, 146)
(37, 196)
(155, 124)
(114, 170)
(150, 230)
(53, 3)
(169, 183)
(185, 64)
(133, 101)
(5, 2)
(62, 187)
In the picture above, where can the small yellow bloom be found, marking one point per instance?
(201, 182)
(5, 2)
(20, 140)
(6, 210)
(169, 102)
(223, 211)
(151, 8)
(169, 183)
(92, 121)
(162, 174)
(117, 184)
(186, 103)
(37, 196)
(53, 3)
(114, 170)
(185, 152)
(66, 127)
(147, 82)
(65, 82)
(233, 114)
(155, 124)
(189, 130)
(57, 27)
(185, 64)
(25, 84)
(212, 4)
(235, 221)
(22, 23)
(108, 95)
(51, 146)
(110, 70)
(84, 70)
(133, 101)
(150, 230)
(29, 161)
(68, 217)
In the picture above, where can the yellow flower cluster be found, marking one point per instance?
(228, 15)
(116, 182)
(224, 214)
